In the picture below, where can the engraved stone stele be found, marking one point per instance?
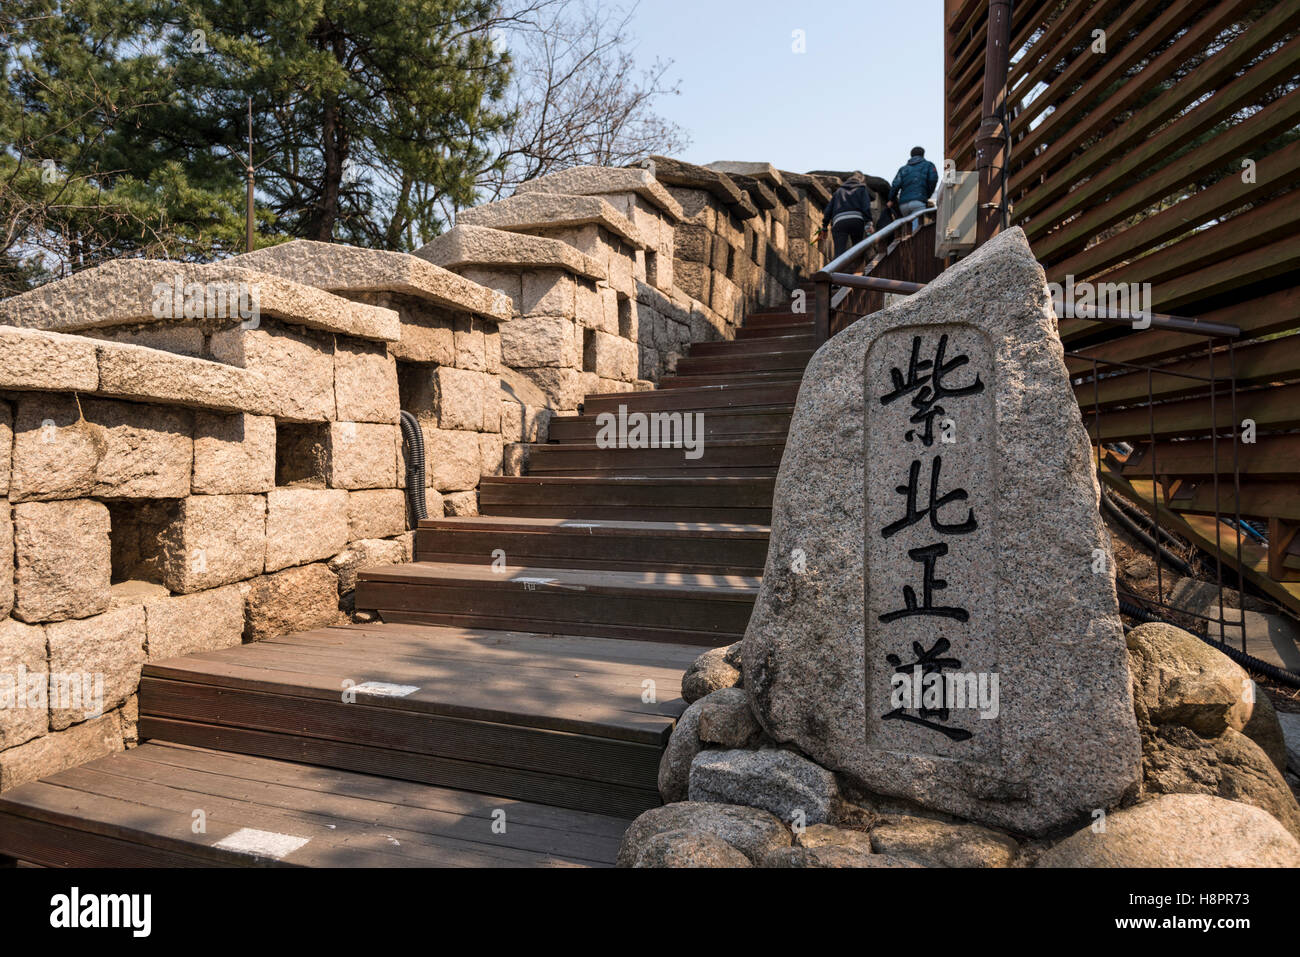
(936, 529)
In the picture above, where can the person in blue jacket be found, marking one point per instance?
(913, 184)
(848, 214)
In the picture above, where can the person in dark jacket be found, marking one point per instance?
(848, 214)
(913, 184)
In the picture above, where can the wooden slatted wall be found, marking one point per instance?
(1158, 141)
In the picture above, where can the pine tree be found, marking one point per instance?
(79, 183)
(366, 111)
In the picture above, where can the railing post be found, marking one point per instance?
(990, 141)
(821, 311)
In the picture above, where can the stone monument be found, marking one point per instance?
(938, 619)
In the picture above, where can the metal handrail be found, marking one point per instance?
(849, 256)
(836, 271)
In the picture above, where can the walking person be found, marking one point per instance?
(848, 214)
(913, 184)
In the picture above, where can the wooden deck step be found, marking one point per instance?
(777, 377)
(559, 720)
(750, 346)
(719, 424)
(784, 361)
(136, 809)
(723, 456)
(700, 397)
(559, 543)
(705, 609)
(776, 330)
(741, 500)
(776, 317)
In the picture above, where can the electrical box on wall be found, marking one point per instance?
(955, 223)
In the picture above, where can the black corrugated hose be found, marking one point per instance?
(413, 435)
(1280, 675)
(1130, 526)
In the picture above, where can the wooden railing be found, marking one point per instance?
(1157, 143)
(897, 259)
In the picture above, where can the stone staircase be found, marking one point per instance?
(527, 668)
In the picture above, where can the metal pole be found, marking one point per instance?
(991, 141)
(248, 222)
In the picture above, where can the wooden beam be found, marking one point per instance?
(1281, 543)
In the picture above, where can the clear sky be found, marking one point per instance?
(868, 88)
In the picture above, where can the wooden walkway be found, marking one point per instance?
(508, 716)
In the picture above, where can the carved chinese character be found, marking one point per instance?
(931, 663)
(928, 557)
(925, 378)
(936, 502)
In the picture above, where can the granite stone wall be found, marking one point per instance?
(194, 456)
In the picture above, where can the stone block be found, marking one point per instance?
(59, 751)
(6, 446)
(562, 387)
(65, 448)
(181, 338)
(427, 334)
(62, 560)
(548, 292)
(233, 454)
(298, 368)
(492, 350)
(610, 357)
(361, 455)
(478, 246)
(366, 553)
(187, 624)
(452, 459)
(490, 453)
(55, 451)
(94, 664)
(304, 525)
(524, 423)
(458, 397)
(376, 513)
(6, 559)
(514, 459)
(147, 375)
(471, 346)
(461, 504)
(214, 540)
(147, 451)
(47, 361)
(365, 382)
(659, 269)
(693, 278)
(24, 704)
(352, 271)
(535, 341)
(507, 282)
(290, 601)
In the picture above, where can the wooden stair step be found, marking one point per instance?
(750, 346)
(754, 320)
(794, 330)
(750, 423)
(555, 719)
(562, 543)
(772, 377)
(750, 456)
(136, 809)
(706, 609)
(744, 500)
(753, 362)
(701, 397)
